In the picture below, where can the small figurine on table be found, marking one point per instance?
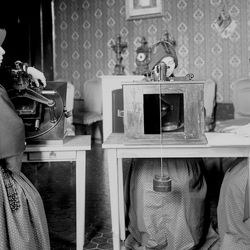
(119, 48)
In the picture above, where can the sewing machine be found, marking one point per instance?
(42, 109)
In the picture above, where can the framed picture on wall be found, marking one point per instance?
(137, 9)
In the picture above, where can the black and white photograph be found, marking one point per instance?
(125, 125)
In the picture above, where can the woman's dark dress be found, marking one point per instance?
(23, 224)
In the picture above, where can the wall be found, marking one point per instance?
(84, 30)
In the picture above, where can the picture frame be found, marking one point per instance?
(138, 9)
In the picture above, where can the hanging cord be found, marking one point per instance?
(161, 183)
(224, 11)
(160, 107)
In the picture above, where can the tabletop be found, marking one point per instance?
(78, 142)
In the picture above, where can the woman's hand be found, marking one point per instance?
(37, 76)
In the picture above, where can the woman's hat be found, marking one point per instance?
(2, 36)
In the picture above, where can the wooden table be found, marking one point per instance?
(72, 149)
(219, 145)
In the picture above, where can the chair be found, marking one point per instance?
(241, 103)
(241, 98)
(88, 111)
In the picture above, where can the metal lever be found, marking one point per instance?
(35, 96)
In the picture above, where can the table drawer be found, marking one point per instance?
(51, 156)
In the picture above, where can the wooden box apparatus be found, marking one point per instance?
(169, 112)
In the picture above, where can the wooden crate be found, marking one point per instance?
(164, 112)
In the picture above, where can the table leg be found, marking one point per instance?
(121, 199)
(114, 196)
(248, 184)
(80, 198)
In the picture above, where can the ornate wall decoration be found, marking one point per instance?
(85, 29)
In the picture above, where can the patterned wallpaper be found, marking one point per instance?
(85, 29)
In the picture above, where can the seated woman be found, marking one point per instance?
(23, 223)
(233, 206)
(167, 220)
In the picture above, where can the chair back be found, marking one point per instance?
(241, 98)
(92, 95)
